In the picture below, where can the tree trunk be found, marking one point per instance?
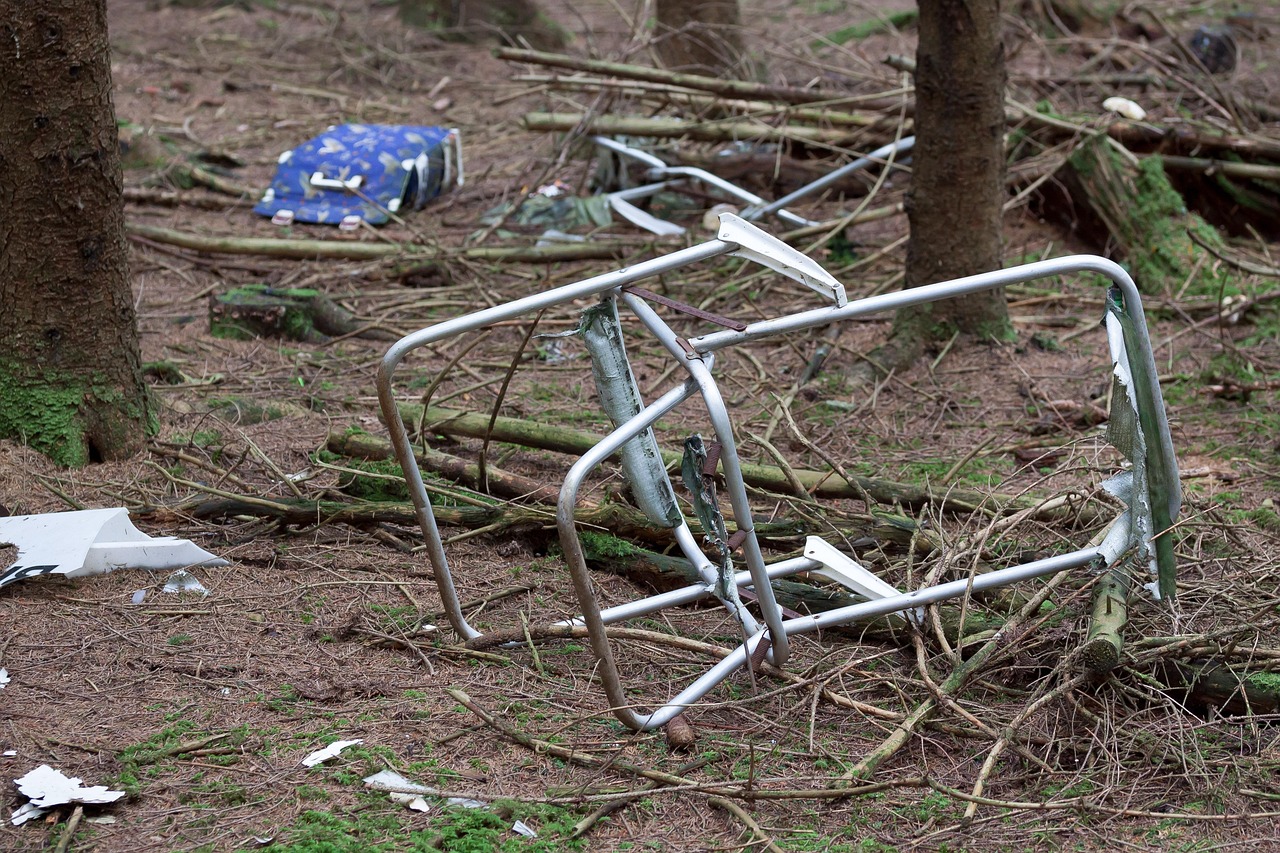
(698, 36)
(70, 372)
(957, 193)
(516, 21)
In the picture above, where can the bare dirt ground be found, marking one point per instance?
(202, 707)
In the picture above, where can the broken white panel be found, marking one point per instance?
(522, 828)
(91, 542)
(758, 245)
(47, 788)
(331, 751)
(847, 572)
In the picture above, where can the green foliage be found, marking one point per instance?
(377, 826)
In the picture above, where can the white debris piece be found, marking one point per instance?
(91, 542)
(26, 812)
(413, 802)
(183, 581)
(1125, 107)
(331, 751)
(46, 788)
(139, 595)
(466, 802)
(522, 828)
(4, 678)
(393, 782)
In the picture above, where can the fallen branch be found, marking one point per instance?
(715, 85)
(351, 250)
(720, 130)
(819, 484)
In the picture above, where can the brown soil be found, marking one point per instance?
(306, 637)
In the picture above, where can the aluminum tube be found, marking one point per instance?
(719, 415)
(400, 437)
(694, 592)
(572, 546)
(627, 151)
(729, 664)
(702, 685)
(902, 146)
(942, 592)
(924, 293)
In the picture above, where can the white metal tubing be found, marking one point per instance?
(694, 592)
(893, 149)
(399, 434)
(880, 607)
(718, 413)
(961, 287)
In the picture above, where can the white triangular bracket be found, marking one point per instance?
(762, 247)
(847, 572)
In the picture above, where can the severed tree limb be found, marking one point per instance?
(503, 484)
(352, 250)
(1101, 651)
(714, 130)
(820, 484)
(699, 82)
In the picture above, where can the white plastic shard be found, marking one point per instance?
(847, 572)
(331, 751)
(1125, 107)
(392, 782)
(4, 678)
(762, 247)
(47, 788)
(91, 542)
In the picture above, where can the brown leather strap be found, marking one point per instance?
(685, 308)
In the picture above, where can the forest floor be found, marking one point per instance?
(201, 708)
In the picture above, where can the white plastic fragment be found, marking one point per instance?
(26, 812)
(138, 596)
(393, 782)
(102, 818)
(1125, 107)
(91, 542)
(183, 581)
(9, 753)
(331, 751)
(4, 678)
(522, 828)
(412, 802)
(47, 788)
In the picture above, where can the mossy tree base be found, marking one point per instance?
(70, 372)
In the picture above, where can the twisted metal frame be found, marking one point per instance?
(696, 356)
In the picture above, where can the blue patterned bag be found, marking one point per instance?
(362, 172)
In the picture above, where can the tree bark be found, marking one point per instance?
(957, 193)
(698, 36)
(70, 372)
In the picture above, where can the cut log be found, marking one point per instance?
(1101, 652)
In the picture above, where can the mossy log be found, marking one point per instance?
(820, 484)
(1203, 684)
(1138, 208)
(299, 314)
